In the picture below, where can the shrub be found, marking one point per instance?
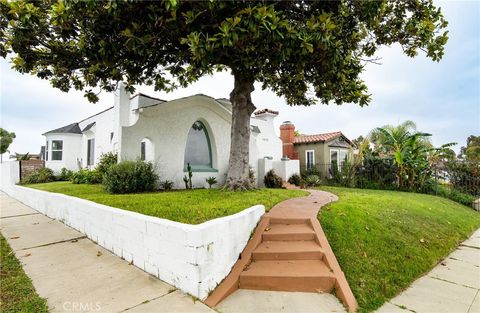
(85, 176)
(212, 180)
(106, 160)
(130, 176)
(455, 195)
(65, 174)
(41, 175)
(310, 171)
(295, 179)
(312, 181)
(272, 180)
(166, 185)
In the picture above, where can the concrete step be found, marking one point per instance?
(287, 232)
(294, 275)
(288, 250)
(288, 221)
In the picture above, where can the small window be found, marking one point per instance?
(46, 151)
(57, 150)
(143, 150)
(310, 158)
(343, 157)
(90, 151)
(334, 156)
(197, 151)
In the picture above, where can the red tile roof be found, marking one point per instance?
(317, 138)
(265, 111)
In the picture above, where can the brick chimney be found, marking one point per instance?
(287, 135)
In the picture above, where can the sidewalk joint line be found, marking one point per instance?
(471, 305)
(468, 246)
(451, 282)
(53, 243)
(4, 217)
(150, 300)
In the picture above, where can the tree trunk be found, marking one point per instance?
(242, 109)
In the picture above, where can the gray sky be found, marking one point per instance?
(442, 98)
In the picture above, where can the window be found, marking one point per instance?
(90, 151)
(197, 151)
(46, 151)
(310, 158)
(57, 150)
(343, 157)
(142, 150)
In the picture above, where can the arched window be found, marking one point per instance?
(198, 151)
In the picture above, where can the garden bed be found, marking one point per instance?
(384, 240)
(185, 206)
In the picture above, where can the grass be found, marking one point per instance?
(17, 292)
(186, 206)
(384, 240)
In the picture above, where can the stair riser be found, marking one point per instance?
(288, 236)
(289, 221)
(305, 284)
(306, 255)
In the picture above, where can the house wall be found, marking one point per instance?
(167, 125)
(193, 258)
(101, 131)
(72, 145)
(322, 155)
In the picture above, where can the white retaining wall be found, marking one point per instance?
(194, 258)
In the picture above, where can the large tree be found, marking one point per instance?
(305, 51)
(6, 139)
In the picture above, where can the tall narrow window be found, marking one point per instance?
(143, 150)
(90, 151)
(46, 151)
(57, 150)
(342, 158)
(310, 158)
(197, 151)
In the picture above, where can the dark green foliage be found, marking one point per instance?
(310, 171)
(312, 180)
(212, 180)
(85, 176)
(129, 177)
(106, 160)
(41, 175)
(187, 179)
(6, 139)
(455, 195)
(65, 174)
(272, 180)
(465, 176)
(295, 179)
(166, 185)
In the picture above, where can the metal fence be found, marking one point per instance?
(384, 175)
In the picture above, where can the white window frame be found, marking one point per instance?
(306, 159)
(91, 148)
(56, 150)
(338, 155)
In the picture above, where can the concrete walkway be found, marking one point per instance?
(277, 261)
(453, 286)
(76, 275)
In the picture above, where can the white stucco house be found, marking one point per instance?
(194, 129)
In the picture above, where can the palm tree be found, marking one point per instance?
(407, 147)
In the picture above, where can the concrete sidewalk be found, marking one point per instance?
(77, 275)
(453, 286)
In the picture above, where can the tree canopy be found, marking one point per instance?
(6, 139)
(305, 51)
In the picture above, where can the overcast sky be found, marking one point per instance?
(442, 98)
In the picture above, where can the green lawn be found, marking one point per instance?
(187, 206)
(384, 240)
(17, 293)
